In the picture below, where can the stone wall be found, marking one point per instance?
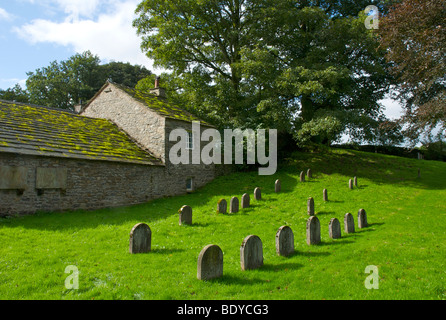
(69, 184)
(79, 184)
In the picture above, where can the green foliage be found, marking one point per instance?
(325, 130)
(14, 94)
(271, 64)
(67, 83)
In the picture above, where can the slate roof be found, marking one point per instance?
(159, 105)
(33, 130)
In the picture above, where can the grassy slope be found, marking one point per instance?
(406, 239)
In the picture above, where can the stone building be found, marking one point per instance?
(114, 153)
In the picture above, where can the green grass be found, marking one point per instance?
(406, 238)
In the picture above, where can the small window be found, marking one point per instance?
(189, 184)
(190, 141)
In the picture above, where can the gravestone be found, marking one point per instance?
(310, 206)
(251, 253)
(277, 186)
(325, 194)
(222, 206)
(313, 231)
(309, 173)
(350, 184)
(233, 205)
(302, 176)
(245, 200)
(355, 181)
(362, 219)
(257, 194)
(210, 263)
(284, 241)
(185, 215)
(349, 223)
(334, 228)
(140, 239)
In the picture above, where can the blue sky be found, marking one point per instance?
(34, 33)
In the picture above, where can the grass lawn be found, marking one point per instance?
(405, 239)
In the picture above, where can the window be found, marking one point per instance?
(190, 141)
(189, 184)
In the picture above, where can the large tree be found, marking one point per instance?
(69, 82)
(267, 63)
(414, 33)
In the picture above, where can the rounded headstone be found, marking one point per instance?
(185, 215)
(334, 228)
(284, 241)
(310, 206)
(140, 239)
(350, 184)
(302, 176)
(245, 200)
(355, 181)
(222, 206)
(277, 186)
(362, 219)
(349, 223)
(257, 194)
(233, 205)
(313, 231)
(210, 263)
(309, 173)
(251, 253)
(325, 194)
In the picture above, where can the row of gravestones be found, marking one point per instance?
(222, 205)
(210, 259)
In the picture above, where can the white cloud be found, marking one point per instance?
(4, 15)
(109, 35)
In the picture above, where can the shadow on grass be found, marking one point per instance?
(231, 279)
(267, 267)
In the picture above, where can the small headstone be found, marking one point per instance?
(233, 205)
(362, 219)
(140, 239)
(310, 206)
(302, 176)
(350, 184)
(222, 206)
(355, 181)
(245, 201)
(277, 186)
(185, 215)
(419, 173)
(325, 194)
(309, 173)
(210, 263)
(334, 228)
(251, 253)
(284, 241)
(257, 194)
(349, 223)
(313, 231)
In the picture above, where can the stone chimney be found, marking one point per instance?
(158, 91)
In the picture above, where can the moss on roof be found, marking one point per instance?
(161, 106)
(33, 130)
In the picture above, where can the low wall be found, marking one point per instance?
(34, 183)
